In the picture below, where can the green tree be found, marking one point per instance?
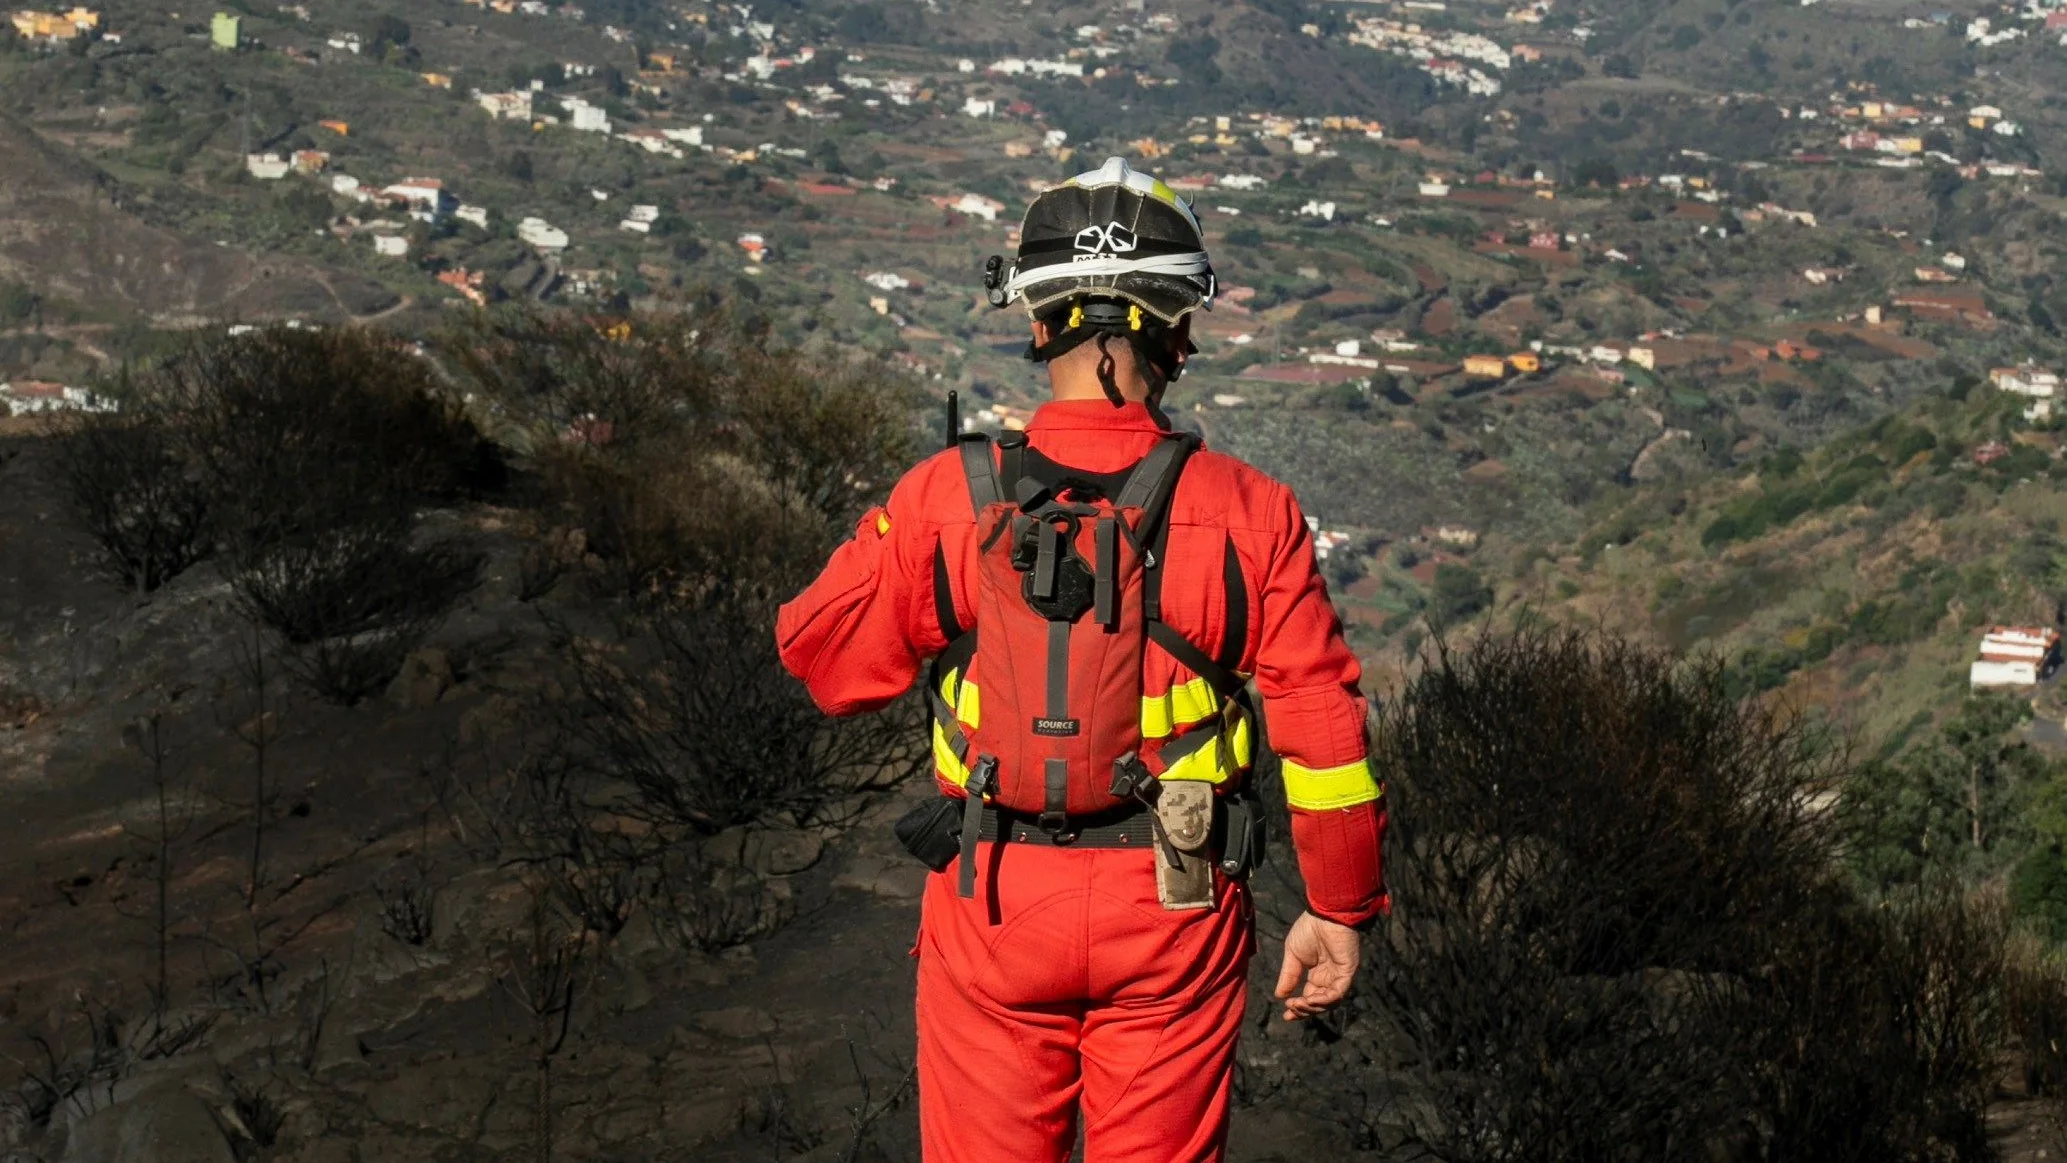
(1992, 762)
(2038, 886)
(1459, 593)
(1954, 804)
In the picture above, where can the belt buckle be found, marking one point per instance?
(1056, 825)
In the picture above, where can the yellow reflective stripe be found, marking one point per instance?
(1319, 789)
(1184, 704)
(969, 708)
(944, 761)
(1207, 765)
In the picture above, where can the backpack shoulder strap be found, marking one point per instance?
(1155, 476)
(980, 471)
(1150, 487)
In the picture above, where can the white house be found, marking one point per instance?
(978, 107)
(1435, 190)
(427, 197)
(474, 215)
(1241, 182)
(542, 234)
(978, 206)
(2028, 380)
(590, 119)
(1325, 211)
(267, 167)
(390, 245)
(512, 106)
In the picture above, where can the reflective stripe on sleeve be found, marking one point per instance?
(1184, 704)
(1318, 790)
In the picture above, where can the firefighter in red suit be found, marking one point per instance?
(1074, 954)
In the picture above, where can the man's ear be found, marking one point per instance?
(1041, 333)
(1180, 337)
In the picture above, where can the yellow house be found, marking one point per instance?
(662, 61)
(1548, 195)
(1907, 144)
(1873, 110)
(55, 26)
(437, 80)
(1526, 363)
(1486, 367)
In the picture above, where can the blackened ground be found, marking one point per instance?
(324, 1035)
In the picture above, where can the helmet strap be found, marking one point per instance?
(1106, 379)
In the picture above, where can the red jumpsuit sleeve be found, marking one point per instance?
(858, 634)
(1308, 678)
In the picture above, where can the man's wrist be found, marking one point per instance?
(1362, 921)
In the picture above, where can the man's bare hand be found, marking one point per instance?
(1324, 956)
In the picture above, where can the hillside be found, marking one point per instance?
(1853, 580)
(77, 236)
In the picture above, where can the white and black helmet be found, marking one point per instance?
(1113, 232)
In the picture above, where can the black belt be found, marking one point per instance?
(1127, 826)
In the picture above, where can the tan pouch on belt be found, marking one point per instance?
(1184, 870)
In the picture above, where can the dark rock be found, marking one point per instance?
(426, 676)
(164, 1124)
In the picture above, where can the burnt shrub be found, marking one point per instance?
(1619, 930)
(135, 492)
(687, 712)
(298, 429)
(352, 600)
(684, 446)
(301, 456)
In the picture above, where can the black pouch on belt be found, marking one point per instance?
(932, 832)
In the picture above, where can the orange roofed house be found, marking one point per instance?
(1491, 367)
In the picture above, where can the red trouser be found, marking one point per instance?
(1065, 981)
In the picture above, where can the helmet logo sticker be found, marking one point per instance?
(1099, 241)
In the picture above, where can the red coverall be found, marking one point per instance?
(1065, 981)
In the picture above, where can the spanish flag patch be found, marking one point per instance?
(882, 523)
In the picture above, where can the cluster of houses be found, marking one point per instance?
(424, 200)
(584, 116)
(1451, 57)
(2014, 656)
(32, 397)
(530, 8)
